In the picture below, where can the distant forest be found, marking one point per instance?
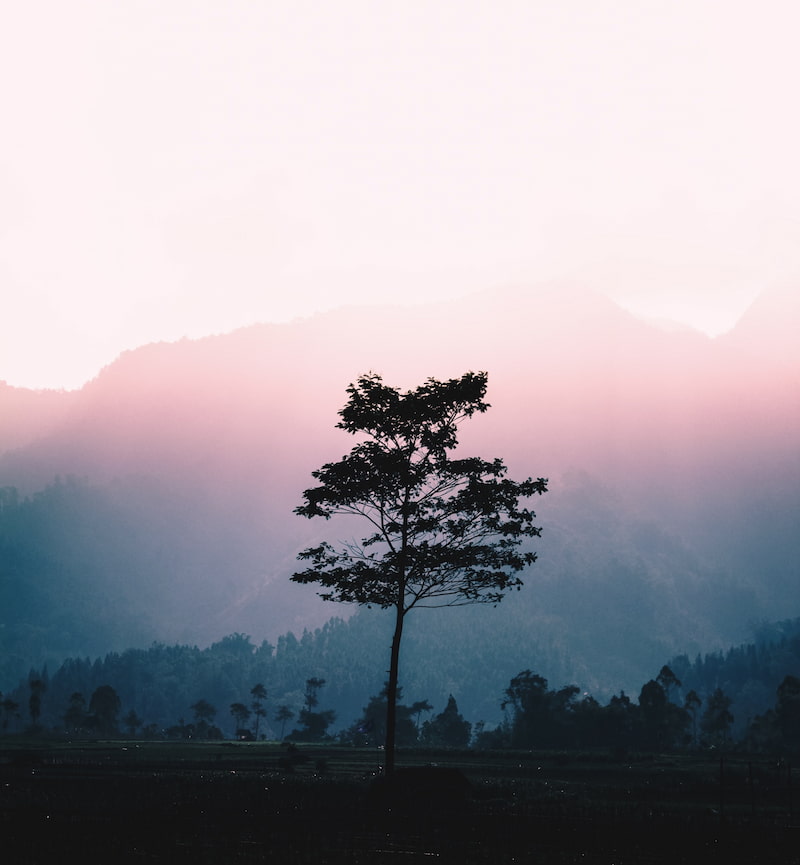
(315, 688)
(86, 569)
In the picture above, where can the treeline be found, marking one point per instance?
(80, 575)
(659, 720)
(86, 569)
(312, 689)
(748, 673)
(162, 683)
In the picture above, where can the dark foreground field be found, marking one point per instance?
(244, 803)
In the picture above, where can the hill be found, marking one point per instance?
(671, 525)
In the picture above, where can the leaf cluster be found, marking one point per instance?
(443, 531)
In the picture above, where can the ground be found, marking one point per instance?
(152, 802)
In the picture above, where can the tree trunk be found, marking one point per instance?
(391, 691)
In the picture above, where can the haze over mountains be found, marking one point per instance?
(671, 524)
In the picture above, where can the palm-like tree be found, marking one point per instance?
(259, 694)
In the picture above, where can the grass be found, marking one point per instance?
(137, 801)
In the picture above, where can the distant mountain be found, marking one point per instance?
(26, 415)
(671, 525)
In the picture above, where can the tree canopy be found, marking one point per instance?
(443, 531)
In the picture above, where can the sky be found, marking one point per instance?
(182, 168)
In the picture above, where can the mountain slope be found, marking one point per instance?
(671, 522)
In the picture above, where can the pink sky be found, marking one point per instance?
(184, 168)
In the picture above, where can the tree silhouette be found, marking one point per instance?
(653, 710)
(668, 681)
(312, 690)
(315, 724)
(37, 689)
(541, 717)
(371, 727)
(717, 718)
(283, 715)
(203, 711)
(416, 709)
(204, 714)
(443, 531)
(104, 707)
(692, 705)
(75, 716)
(241, 715)
(259, 694)
(448, 729)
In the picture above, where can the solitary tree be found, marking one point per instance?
(442, 531)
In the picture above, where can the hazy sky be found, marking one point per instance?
(183, 167)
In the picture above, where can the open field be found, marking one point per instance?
(110, 802)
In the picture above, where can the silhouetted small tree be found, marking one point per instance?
(75, 716)
(315, 724)
(526, 697)
(104, 707)
(653, 713)
(717, 719)
(668, 681)
(203, 711)
(283, 715)
(313, 686)
(241, 715)
(619, 718)
(259, 694)
(37, 688)
(416, 709)
(448, 729)
(692, 705)
(204, 714)
(663, 724)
